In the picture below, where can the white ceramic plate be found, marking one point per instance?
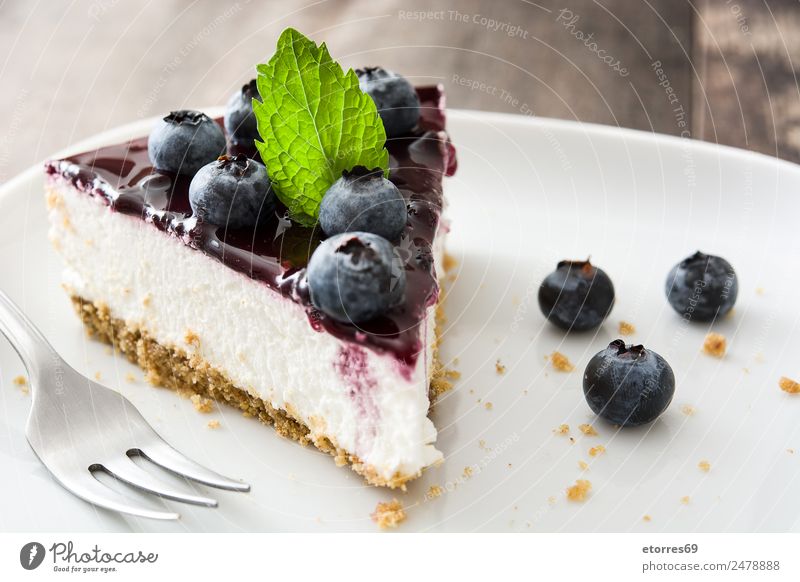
(528, 193)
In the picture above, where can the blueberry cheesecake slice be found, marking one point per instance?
(285, 259)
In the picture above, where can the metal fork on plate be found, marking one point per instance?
(77, 427)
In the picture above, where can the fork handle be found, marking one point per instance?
(25, 337)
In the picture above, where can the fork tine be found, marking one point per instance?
(90, 489)
(163, 455)
(125, 470)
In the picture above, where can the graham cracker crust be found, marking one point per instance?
(173, 368)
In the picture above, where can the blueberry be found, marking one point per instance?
(576, 296)
(394, 96)
(185, 141)
(628, 385)
(363, 200)
(353, 277)
(702, 287)
(233, 192)
(240, 122)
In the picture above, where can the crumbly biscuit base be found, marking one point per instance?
(172, 367)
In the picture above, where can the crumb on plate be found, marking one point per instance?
(715, 345)
(688, 409)
(704, 466)
(579, 491)
(563, 429)
(434, 491)
(561, 362)
(130, 378)
(467, 472)
(389, 514)
(202, 404)
(583, 465)
(213, 424)
(98, 376)
(626, 328)
(646, 518)
(499, 368)
(488, 406)
(598, 450)
(685, 500)
(789, 385)
(588, 429)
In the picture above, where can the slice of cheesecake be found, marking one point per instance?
(227, 313)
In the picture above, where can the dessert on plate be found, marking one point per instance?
(285, 259)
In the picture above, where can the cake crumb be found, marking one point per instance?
(202, 404)
(588, 429)
(499, 368)
(626, 328)
(579, 491)
(213, 424)
(389, 514)
(583, 465)
(647, 518)
(488, 406)
(759, 290)
(22, 383)
(551, 500)
(598, 450)
(434, 491)
(449, 262)
(467, 472)
(704, 466)
(789, 385)
(191, 338)
(685, 500)
(130, 378)
(561, 362)
(98, 376)
(482, 443)
(715, 345)
(688, 409)
(563, 429)
(790, 451)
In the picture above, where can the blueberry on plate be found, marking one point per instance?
(353, 277)
(365, 201)
(628, 385)
(185, 141)
(702, 287)
(232, 192)
(240, 122)
(576, 296)
(395, 98)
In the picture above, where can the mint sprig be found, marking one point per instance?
(314, 122)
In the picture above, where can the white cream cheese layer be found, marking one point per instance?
(260, 340)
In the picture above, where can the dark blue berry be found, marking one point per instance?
(185, 141)
(354, 277)
(628, 385)
(394, 96)
(240, 122)
(702, 287)
(576, 296)
(232, 192)
(363, 200)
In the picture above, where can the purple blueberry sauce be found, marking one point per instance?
(122, 176)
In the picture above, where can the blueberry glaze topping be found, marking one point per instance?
(123, 177)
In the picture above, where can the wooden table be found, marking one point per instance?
(719, 70)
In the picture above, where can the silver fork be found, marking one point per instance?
(77, 427)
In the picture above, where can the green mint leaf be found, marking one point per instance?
(314, 122)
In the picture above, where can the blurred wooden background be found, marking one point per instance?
(718, 70)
